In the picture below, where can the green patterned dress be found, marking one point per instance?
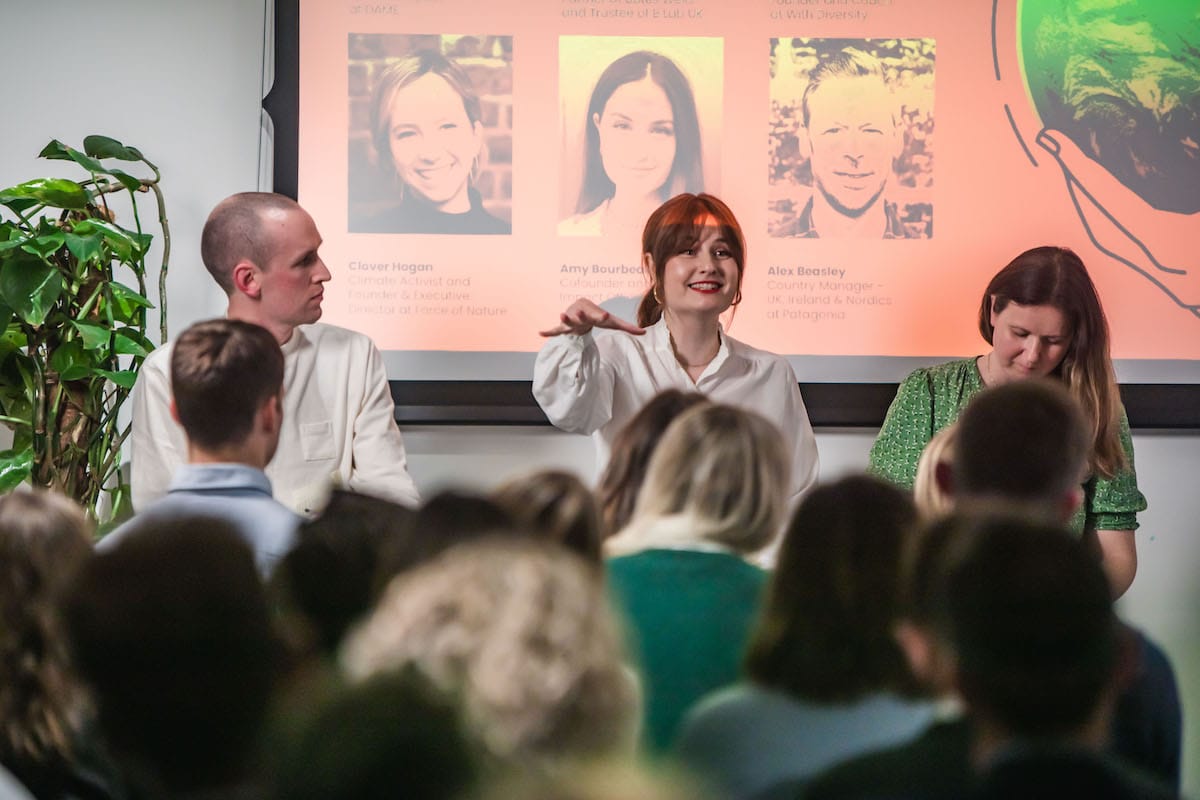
(931, 398)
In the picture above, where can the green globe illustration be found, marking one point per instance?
(1122, 79)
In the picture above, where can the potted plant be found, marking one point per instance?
(74, 301)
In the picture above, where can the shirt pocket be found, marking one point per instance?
(316, 441)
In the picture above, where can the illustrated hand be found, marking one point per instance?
(583, 315)
(1158, 244)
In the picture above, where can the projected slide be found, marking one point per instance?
(475, 167)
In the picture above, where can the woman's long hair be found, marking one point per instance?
(687, 174)
(825, 631)
(44, 539)
(1055, 276)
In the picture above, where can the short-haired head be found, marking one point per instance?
(402, 72)
(631, 450)
(1023, 441)
(686, 174)
(675, 226)
(720, 474)
(235, 232)
(848, 63)
(222, 372)
(1028, 611)
(825, 634)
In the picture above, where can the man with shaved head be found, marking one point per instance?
(339, 427)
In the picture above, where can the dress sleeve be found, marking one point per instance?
(906, 430)
(573, 385)
(1113, 503)
(380, 463)
(157, 443)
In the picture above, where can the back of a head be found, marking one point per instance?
(825, 633)
(520, 631)
(933, 499)
(222, 371)
(556, 506)
(1028, 612)
(44, 540)
(170, 628)
(618, 487)
(722, 472)
(1023, 441)
(388, 737)
(331, 577)
(234, 232)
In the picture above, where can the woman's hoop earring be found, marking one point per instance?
(737, 298)
(654, 292)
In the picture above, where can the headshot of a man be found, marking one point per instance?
(851, 137)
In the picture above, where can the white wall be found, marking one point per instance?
(180, 79)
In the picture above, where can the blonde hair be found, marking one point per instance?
(927, 494)
(522, 633)
(718, 475)
(555, 506)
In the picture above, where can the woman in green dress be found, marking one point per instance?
(1042, 317)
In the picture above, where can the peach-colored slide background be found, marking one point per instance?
(492, 293)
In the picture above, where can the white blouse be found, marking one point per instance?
(594, 383)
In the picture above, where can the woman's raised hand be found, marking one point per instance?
(583, 315)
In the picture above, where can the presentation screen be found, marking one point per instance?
(476, 167)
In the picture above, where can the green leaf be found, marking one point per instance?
(125, 345)
(95, 337)
(15, 466)
(124, 378)
(107, 147)
(30, 287)
(45, 245)
(55, 151)
(85, 247)
(128, 181)
(56, 192)
(126, 244)
(71, 362)
(127, 300)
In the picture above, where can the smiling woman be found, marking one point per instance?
(693, 255)
(427, 131)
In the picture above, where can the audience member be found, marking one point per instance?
(931, 499)
(936, 763)
(171, 631)
(825, 678)
(554, 505)
(226, 385)
(520, 632)
(608, 779)
(1022, 447)
(632, 447)
(392, 736)
(339, 419)
(1028, 611)
(715, 493)
(45, 740)
(332, 577)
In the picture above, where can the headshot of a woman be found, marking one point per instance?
(427, 134)
(642, 145)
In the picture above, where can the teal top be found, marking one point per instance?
(931, 398)
(689, 614)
